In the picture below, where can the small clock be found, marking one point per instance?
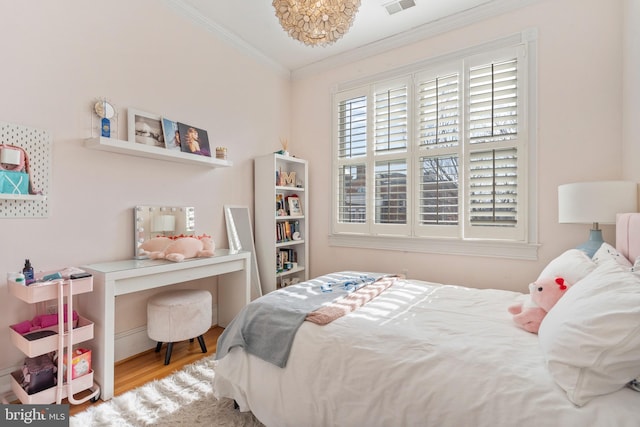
(104, 110)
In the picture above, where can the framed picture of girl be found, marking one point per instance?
(194, 140)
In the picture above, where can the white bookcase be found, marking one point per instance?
(282, 244)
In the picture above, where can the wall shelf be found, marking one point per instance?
(4, 196)
(141, 150)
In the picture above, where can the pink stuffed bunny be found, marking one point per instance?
(544, 294)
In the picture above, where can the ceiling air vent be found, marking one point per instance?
(399, 5)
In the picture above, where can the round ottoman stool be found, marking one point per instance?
(178, 315)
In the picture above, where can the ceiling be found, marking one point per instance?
(253, 26)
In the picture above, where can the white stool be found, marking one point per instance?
(178, 315)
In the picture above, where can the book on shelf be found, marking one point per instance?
(285, 258)
(285, 231)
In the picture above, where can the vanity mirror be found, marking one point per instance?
(153, 221)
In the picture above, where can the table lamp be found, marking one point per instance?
(595, 203)
(164, 223)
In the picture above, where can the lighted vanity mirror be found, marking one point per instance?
(153, 221)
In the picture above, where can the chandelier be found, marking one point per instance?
(316, 22)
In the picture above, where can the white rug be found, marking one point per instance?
(185, 398)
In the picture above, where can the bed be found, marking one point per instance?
(427, 354)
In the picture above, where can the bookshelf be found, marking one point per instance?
(281, 220)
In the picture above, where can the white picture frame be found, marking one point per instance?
(145, 128)
(295, 207)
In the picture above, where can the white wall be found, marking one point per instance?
(60, 56)
(57, 58)
(631, 90)
(580, 133)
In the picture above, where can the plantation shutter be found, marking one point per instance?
(439, 112)
(391, 192)
(493, 102)
(352, 127)
(390, 116)
(438, 192)
(439, 152)
(350, 195)
(493, 183)
(493, 138)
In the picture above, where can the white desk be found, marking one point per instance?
(111, 279)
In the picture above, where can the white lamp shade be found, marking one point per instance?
(596, 202)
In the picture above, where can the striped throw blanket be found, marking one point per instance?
(338, 308)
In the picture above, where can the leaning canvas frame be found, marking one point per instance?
(153, 120)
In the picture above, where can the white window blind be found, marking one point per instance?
(391, 120)
(493, 102)
(493, 183)
(352, 194)
(439, 190)
(391, 192)
(353, 127)
(439, 112)
(437, 153)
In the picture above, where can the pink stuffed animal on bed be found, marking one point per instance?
(544, 294)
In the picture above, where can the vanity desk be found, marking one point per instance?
(111, 279)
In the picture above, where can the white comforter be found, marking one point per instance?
(420, 354)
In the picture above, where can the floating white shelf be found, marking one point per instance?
(22, 196)
(141, 150)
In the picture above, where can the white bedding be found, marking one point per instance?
(420, 354)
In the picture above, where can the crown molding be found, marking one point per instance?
(481, 12)
(430, 29)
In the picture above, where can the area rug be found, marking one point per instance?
(185, 398)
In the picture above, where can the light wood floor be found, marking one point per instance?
(144, 367)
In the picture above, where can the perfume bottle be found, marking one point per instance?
(28, 272)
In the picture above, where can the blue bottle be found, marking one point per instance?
(28, 273)
(105, 126)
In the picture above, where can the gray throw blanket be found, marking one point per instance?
(266, 327)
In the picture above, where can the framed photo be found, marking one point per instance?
(145, 128)
(171, 134)
(281, 209)
(295, 208)
(194, 140)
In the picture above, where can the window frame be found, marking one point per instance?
(416, 238)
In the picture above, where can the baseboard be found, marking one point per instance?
(135, 341)
(6, 393)
(131, 342)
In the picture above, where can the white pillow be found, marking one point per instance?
(591, 337)
(572, 265)
(606, 251)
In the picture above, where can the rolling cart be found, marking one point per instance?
(62, 341)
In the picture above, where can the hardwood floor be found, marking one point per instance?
(144, 367)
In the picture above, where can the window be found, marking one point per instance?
(442, 151)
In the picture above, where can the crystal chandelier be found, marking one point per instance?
(316, 22)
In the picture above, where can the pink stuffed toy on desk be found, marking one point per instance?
(544, 294)
(178, 249)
